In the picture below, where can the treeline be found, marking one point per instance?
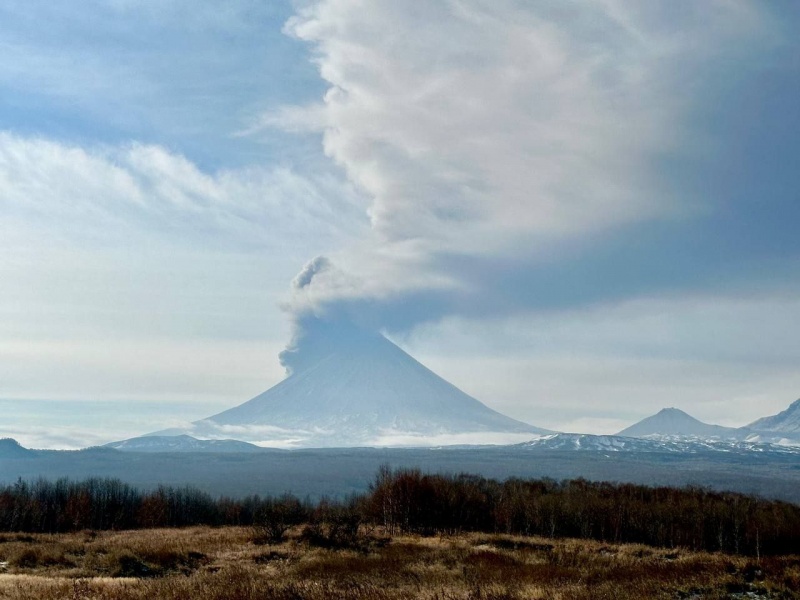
(693, 518)
(61, 506)
(408, 501)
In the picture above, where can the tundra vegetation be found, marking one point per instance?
(412, 535)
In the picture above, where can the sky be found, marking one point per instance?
(578, 211)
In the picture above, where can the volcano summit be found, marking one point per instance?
(360, 389)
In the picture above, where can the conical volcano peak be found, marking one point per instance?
(674, 412)
(675, 422)
(349, 386)
(674, 416)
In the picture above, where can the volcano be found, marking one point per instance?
(360, 389)
(671, 422)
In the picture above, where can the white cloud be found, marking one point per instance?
(539, 120)
(104, 192)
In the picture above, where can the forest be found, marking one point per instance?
(408, 501)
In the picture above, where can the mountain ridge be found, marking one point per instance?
(585, 442)
(786, 421)
(180, 443)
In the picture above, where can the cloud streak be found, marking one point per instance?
(107, 190)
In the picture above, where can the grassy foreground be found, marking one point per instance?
(217, 563)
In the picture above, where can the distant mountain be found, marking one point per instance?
(671, 444)
(786, 422)
(10, 448)
(181, 443)
(671, 422)
(359, 389)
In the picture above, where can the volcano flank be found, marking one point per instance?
(360, 389)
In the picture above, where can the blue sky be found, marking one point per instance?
(579, 212)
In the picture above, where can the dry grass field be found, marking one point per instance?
(217, 563)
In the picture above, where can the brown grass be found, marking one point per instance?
(224, 563)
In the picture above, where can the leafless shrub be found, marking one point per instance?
(222, 563)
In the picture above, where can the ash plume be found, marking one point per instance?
(320, 324)
(502, 149)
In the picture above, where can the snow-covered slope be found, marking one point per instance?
(785, 422)
(362, 390)
(676, 444)
(181, 443)
(672, 422)
(593, 443)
